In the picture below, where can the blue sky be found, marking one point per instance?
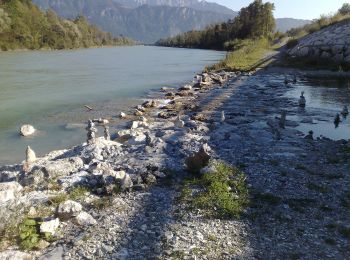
(302, 9)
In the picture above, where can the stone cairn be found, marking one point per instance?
(310, 135)
(30, 158)
(30, 155)
(345, 111)
(91, 132)
(282, 122)
(223, 116)
(106, 133)
(337, 120)
(302, 100)
(148, 139)
(294, 79)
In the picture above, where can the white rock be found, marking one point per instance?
(9, 191)
(84, 219)
(68, 209)
(134, 124)
(179, 123)
(186, 87)
(126, 182)
(138, 138)
(30, 155)
(119, 175)
(122, 115)
(50, 226)
(15, 255)
(27, 130)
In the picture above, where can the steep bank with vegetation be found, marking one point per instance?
(24, 26)
(323, 43)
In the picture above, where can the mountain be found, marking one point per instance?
(143, 20)
(285, 24)
(194, 4)
(24, 26)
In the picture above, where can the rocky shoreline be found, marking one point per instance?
(118, 199)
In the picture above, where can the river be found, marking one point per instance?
(48, 89)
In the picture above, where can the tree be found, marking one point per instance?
(345, 9)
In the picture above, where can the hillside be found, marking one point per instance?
(285, 24)
(25, 26)
(146, 23)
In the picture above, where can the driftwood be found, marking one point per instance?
(90, 108)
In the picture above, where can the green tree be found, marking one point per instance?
(345, 9)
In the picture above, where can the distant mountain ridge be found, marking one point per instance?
(285, 24)
(194, 4)
(150, 20)
(143, 20)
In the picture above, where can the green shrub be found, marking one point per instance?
(292, 43)
(29, 234)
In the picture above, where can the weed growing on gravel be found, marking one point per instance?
(101, 203)
(56, 200)
(222, 193)
(177, 255)
(78, 193)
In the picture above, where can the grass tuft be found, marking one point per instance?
(221, 194)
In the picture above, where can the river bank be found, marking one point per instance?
(49, 90)
(298, 186)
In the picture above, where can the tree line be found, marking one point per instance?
(252, 22)
(24, 26)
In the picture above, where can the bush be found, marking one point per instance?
(292, 43)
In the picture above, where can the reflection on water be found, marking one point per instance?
(329, 97)
(49, 89)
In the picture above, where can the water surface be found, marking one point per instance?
(325, 99)
(49, 89)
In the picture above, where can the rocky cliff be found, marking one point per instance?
(331, 44)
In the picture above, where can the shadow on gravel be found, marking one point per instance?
(146, 228)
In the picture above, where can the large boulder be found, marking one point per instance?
(68, 209)
(27, 130)
(9, 191)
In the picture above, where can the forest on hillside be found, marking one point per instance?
(253, 22)
(24, 26)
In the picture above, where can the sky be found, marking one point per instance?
(301, 9)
